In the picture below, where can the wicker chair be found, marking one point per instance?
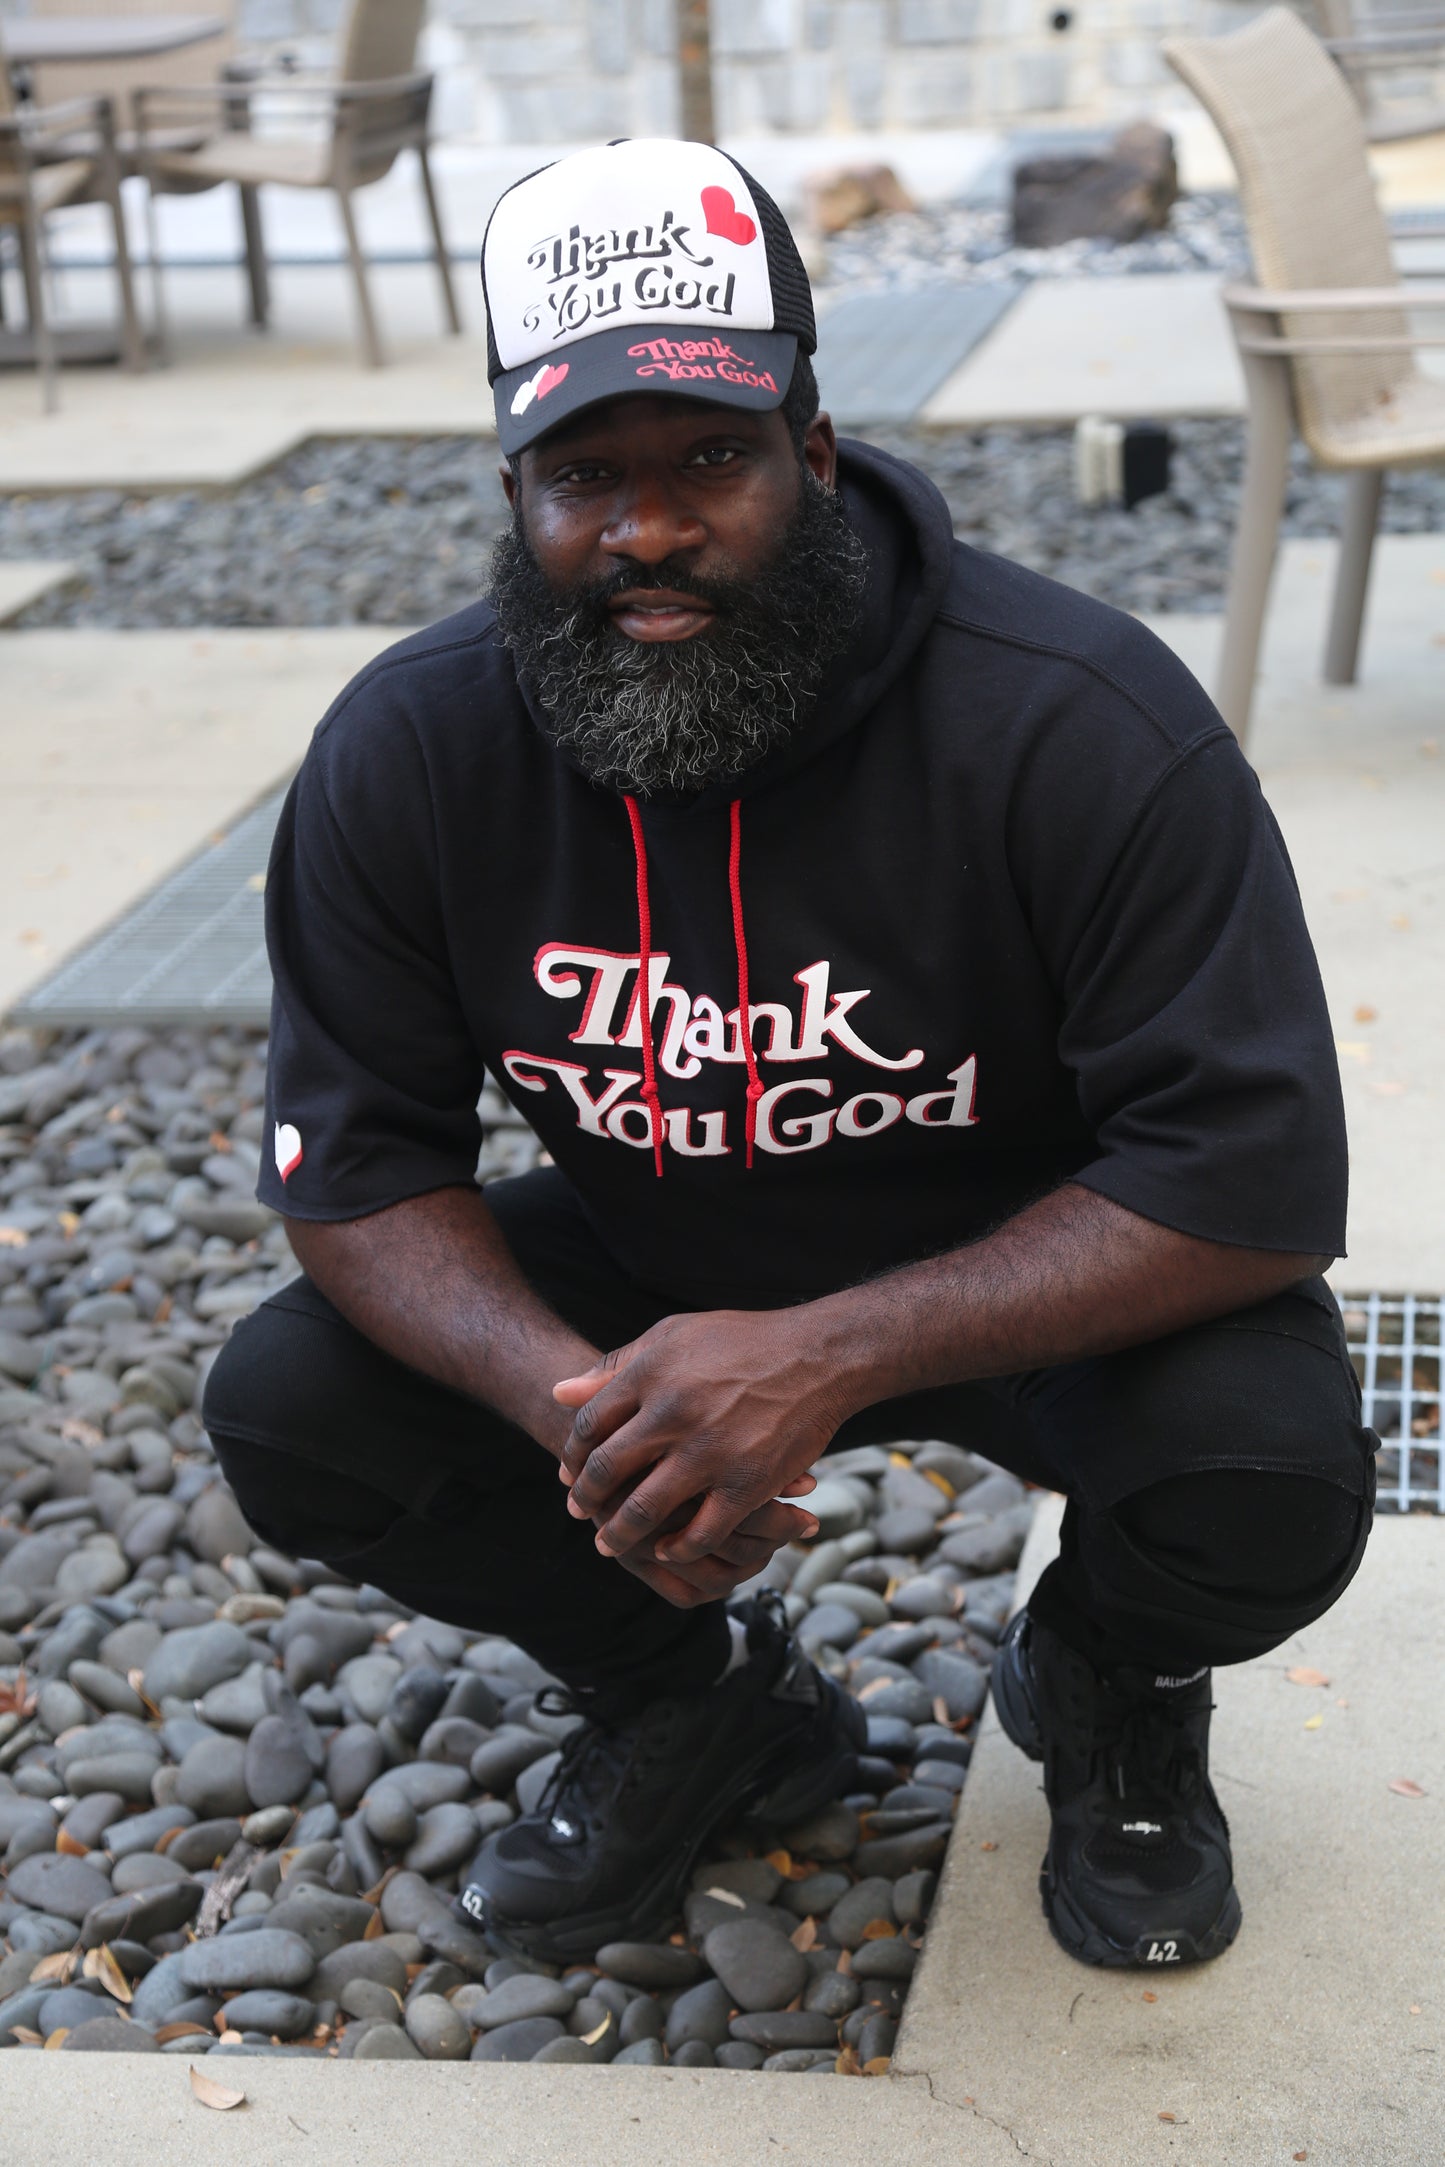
(34, 181)
(1324, 338)
(1377, 50)
(356, 123)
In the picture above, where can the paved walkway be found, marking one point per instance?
(123, 751)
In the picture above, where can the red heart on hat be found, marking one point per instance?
(549, 379)
(725, 219)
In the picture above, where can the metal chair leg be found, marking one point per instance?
(257, 272)
(370, 339)
(40, 331)
(153, 251)
(132, 341)
(439, 246)
(1266, 469)
(1357, 542)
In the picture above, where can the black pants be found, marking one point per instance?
(1219, 1482)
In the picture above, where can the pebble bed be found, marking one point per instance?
(237, 1793)
(397, 531)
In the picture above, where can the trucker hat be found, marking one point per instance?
(645, 265)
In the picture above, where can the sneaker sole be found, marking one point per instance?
(1151, 1952)
(802, 1790)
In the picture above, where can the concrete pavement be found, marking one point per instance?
(1356, 776)
(123, 751)
(1318, 2035)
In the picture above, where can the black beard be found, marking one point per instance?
(673, 716)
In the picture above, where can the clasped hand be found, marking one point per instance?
(685, 1443)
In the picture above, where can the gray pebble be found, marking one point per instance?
(66, 1888)
(827, 1835)
(892, 1959)
(699, 2014)
(437, 2029)
(110, 2035)
(385, 2043)
(775, 2030)
(642, 2053)
(518, 2041)
(866, 1901)
(695, 2054)
(265, 2009)
(446, 1837)
(651, 1964)
(277, 1766)
(523, 1996)
(212, 1779)
(894, 1856)
(268, 1957)
(758, 1967)
(189, 1662)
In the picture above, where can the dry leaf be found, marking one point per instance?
(1365, 1014)
(590, 2039)
(394, 1632)
(101, 1964)
(727, 1896)
(1414, 2009)
(1148, 1996)
(1314, 1723)
(1303, 1675)
(12, 1237)
(1166, 2116)
(228, 2037)
(988, 1847)
(1405, 1787)
(845, 1964)
(69, 1846)
(804, 1936)
(68, 1222)
(940, 1482)
(880, 1930)
(57, 2038)
(26, 2036)
(17, 1699)
(940, 1710)
(375, 1927)
(1299, 2155)
(60, 1968)
(211, 2094)
(848, 2064)
(878, 2067)
(876, 1686)
(781, 1862)
(181, 2031)
(900, 1459)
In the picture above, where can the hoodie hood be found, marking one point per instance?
(905, 527)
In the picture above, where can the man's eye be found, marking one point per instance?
(714, 455)
(583, 471)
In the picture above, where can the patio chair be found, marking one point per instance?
(376, 106)
(1375, 48)
(31, 188)
(1324, 336)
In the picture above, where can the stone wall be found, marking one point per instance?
(546, 71)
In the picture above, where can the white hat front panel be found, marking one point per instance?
(636, 233)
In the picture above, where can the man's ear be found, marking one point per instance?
(509, 483)
(820, 450)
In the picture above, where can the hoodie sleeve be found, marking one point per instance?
(1196, 1027)
(373, 1078)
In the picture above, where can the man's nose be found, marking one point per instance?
(650, 524)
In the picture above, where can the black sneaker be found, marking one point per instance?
(631, 1805)
(1138, 1869)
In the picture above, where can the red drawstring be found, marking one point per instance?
(650, 1093)
(644, 985)
(740, 943)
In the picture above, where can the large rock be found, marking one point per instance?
(234, 1962)
(1113, 195)
(65, 1887)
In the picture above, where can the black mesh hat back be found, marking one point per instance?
(792, 294)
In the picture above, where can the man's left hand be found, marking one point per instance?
(730, 1408)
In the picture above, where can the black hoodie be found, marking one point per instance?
(1010, 910)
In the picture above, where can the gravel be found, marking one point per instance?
(259, 1787)
(397, 531)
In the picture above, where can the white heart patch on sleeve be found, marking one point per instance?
(288, 1149)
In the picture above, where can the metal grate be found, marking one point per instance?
(1394, 1342)
(881, 355)
(191, 951)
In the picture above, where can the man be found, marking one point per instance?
(895, 955)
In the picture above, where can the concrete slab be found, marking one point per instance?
(130, 2111)
(1356, 776)
(1318, 2035)
(122, 751)
(1123, 346)
(231, 400)
(23, 580)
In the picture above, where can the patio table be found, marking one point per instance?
(50, 40)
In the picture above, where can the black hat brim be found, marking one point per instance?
(748, 369)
